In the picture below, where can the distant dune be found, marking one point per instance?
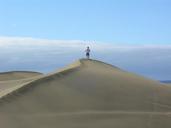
(15, 75)
(87, 94)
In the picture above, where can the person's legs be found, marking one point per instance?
(87, 55)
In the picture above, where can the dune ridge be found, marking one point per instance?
(25, 82)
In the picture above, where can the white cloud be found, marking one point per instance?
(23, 53)
(28, 41)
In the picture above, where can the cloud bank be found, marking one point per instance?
(20, 53)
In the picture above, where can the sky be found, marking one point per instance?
(45, 35)
(113, 21)
(44, 55)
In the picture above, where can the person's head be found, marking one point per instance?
(87, 47)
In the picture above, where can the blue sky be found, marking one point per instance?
(113, 21)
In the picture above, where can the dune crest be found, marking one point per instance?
(88, 93)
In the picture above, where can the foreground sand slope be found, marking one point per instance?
(88, 94)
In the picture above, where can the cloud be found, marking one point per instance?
(27, 41)
(23, 53)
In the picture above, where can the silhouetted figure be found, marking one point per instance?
(87, 52)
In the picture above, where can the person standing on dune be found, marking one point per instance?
(87, 52)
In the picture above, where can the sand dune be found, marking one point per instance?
(87, 94)
(10, 81)
(16, 75)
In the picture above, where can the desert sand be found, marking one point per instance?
(10, 81)
(86, 94)
(16, 75)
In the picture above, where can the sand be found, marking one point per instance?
(10, 81)
(87, 94)
(16, 75)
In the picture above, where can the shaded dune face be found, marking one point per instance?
(89, 94)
